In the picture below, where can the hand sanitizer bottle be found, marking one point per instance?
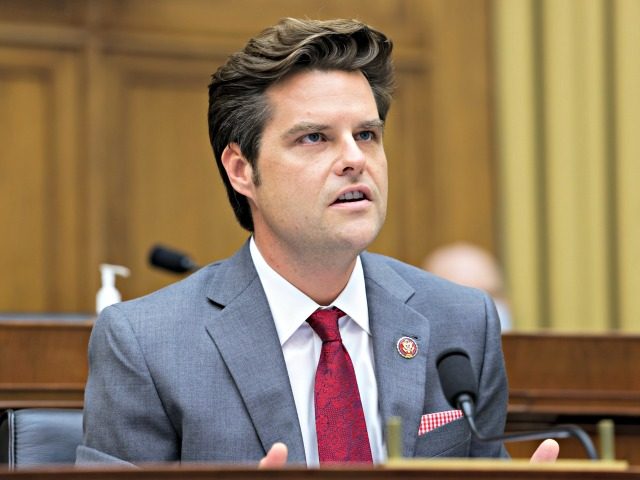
(108, 294)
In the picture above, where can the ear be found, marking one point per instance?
(238, 170)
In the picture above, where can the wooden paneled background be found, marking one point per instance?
(567, 89)
(104, 148)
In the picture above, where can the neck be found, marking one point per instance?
(321, 277)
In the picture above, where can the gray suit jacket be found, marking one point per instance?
(195, 371)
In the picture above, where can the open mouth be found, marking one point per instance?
(349, 197)
(357, 194)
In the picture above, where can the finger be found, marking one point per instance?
(546, 452)
(276, 457)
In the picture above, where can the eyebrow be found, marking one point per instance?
(303, 127)
(377, 123)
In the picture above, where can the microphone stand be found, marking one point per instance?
(467, 405)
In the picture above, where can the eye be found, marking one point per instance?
(311, 138)
(365, 136)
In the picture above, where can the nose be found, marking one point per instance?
(351, 159)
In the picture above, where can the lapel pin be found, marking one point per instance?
(407, 347)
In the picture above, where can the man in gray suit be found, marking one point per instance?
(222, 365)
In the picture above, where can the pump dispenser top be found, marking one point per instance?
(108, 293)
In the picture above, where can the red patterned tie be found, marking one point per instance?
(340, 425)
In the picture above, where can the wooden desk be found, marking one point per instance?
(43, 362)
(355, 473)
(553, 378)
(573, 374)
(581, 379)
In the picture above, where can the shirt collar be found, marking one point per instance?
(290, 307)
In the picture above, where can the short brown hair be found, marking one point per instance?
(238, 109)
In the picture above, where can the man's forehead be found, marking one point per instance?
(313, 93)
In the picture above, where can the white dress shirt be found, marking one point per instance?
(301, 347)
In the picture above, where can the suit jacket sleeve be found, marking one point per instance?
(491, 406)
(124, 419)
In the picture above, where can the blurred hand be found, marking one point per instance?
(547, 452)
(276, 457)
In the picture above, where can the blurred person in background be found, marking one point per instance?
(472, 266)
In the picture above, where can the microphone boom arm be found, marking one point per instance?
(467, 405)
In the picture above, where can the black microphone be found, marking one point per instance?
(460, 389)
(172, 260)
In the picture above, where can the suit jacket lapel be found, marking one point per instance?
(244, 332)
(401, 381)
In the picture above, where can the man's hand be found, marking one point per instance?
(547, 452)
(276, 457)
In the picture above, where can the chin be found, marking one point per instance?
(358, 240)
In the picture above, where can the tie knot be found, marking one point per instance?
(325, 324)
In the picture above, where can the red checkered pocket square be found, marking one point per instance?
(431, 421)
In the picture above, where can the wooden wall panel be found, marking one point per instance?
(40, 212)
(119, 154)
(240, 19)
(408, 144)
(164, 185)
(627, 194)
(462, 185)
(568, 101)
(23, 184)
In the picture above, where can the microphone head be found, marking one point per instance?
(171, 260)
(456, 375)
